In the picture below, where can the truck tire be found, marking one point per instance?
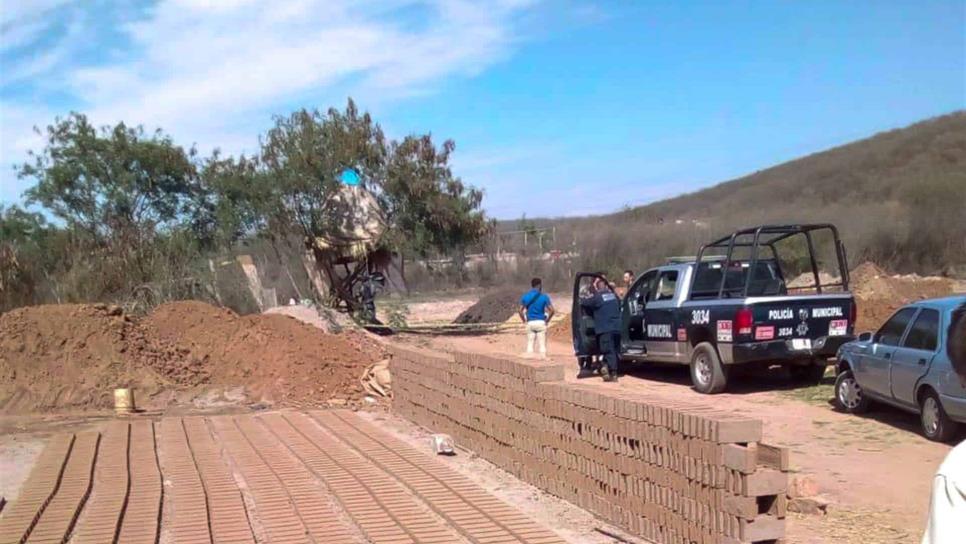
(936, 425)
(708, 375)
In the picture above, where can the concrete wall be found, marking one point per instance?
(665, 470)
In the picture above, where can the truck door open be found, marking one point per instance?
(585, 338)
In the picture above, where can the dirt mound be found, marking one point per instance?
(276, 357)
(868, 280)
(495, 307)
(879, 294)
(305, 314)
(808, 280)
(327, 319)
(73, 356)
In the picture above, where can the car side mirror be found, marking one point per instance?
(865, 337)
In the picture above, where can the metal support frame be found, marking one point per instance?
(782, 232)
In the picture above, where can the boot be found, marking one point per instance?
(606, 374)
(585, 373)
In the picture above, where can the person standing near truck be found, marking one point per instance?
(628, 282)
(947, 508)
(536, 311)
(605, 306)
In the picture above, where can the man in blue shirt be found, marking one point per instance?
(605, 306)
(536, 311)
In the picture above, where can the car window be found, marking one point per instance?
(640, 292)
(924, 333)
(666, 285)
(891, 333)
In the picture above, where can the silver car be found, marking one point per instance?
(905, 364)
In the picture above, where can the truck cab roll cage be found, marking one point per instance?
(769, 235)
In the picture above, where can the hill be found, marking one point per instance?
(898, 198)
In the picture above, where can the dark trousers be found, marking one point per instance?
(609, 344)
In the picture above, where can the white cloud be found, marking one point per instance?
(205, 70)
(206, 60)
(46, 60)
(23, 22)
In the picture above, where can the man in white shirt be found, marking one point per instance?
(947, 511)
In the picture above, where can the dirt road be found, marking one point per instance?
(875, 471)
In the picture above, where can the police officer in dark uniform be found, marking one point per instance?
(605, 306)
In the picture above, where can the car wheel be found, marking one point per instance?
(848, 394)
(936, 425)
(811, 374)
(708, 375)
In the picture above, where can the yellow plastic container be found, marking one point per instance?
(123, 401)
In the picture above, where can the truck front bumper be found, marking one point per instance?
(780, 351)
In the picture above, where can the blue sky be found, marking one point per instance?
(556, 107)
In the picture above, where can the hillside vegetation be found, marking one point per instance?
(898, 198)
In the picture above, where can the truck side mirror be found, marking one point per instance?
(865, 337)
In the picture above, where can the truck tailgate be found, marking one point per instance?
(802, 317)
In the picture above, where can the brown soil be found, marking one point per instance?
(61, 357)
(879, 294)
(495, 307)
(808, 280)
(437, 311)
(277, 357)
(73, 356)
(561, 329)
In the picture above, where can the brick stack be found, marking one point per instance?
(666, 470)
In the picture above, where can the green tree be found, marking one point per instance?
(23, 240)
(421, 206)
(236, 200)
(130, 204)
(428, 209)
(116, 185)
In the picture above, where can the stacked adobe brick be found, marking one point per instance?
(666, 470)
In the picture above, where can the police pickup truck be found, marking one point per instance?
(730, 305)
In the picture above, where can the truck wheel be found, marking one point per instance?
(848, 394)
(708, 375)
(811, 374)
(936, 425)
